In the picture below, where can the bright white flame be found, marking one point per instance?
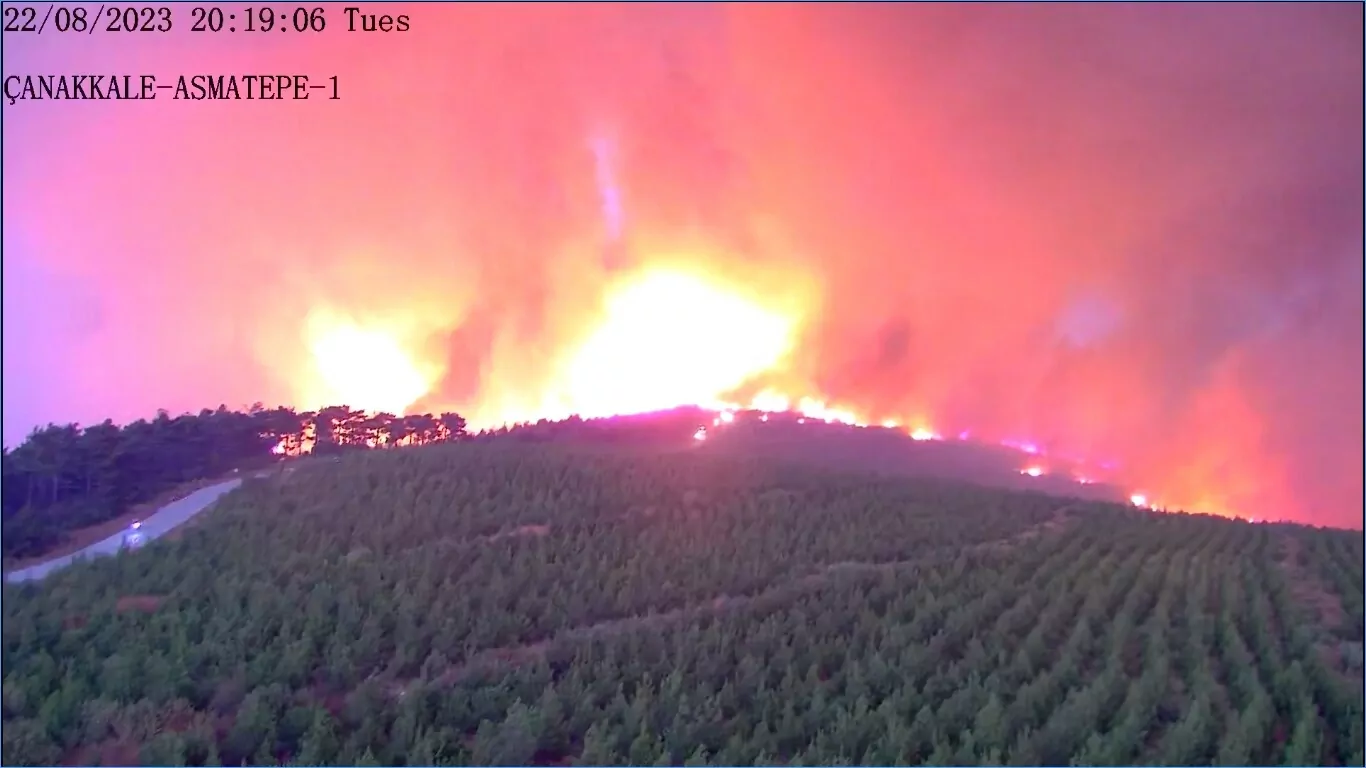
(667, 339)
(1138, 500)
(727, 416)
(817, 410)
(923, 434)
(771, 402)
(1032, 471)
(364, 368)
(700, 434)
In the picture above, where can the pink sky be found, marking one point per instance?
(1129, 230)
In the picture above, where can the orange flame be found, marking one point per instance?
(665, 337)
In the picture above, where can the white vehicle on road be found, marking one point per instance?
(134, 538)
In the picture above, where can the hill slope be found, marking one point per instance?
(514, 603)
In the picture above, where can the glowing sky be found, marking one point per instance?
(1130, 231)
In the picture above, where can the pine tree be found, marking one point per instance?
(1093, 752)
(920, 736)
(424, 750)
(1306, 742)
(993, 756)
(554, 736)
(599, 747)
(698, 757)
(1233, 745)
(967, 750)
(1024, 751)
(990, 725)
(164, 749)
(485, 744)
(319, 744)
(519, 736)
(645, 747)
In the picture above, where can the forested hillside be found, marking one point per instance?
(523, 603)
(64, 478)
(67, 477)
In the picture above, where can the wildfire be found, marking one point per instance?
(663, 338)
(363, 367)
(671, 338)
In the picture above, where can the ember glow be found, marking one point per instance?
(929, 217)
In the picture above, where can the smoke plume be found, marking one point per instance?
(1130, 232)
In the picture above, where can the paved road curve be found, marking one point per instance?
(154, 525)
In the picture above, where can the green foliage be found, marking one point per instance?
(514, 604)
(64, 477)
